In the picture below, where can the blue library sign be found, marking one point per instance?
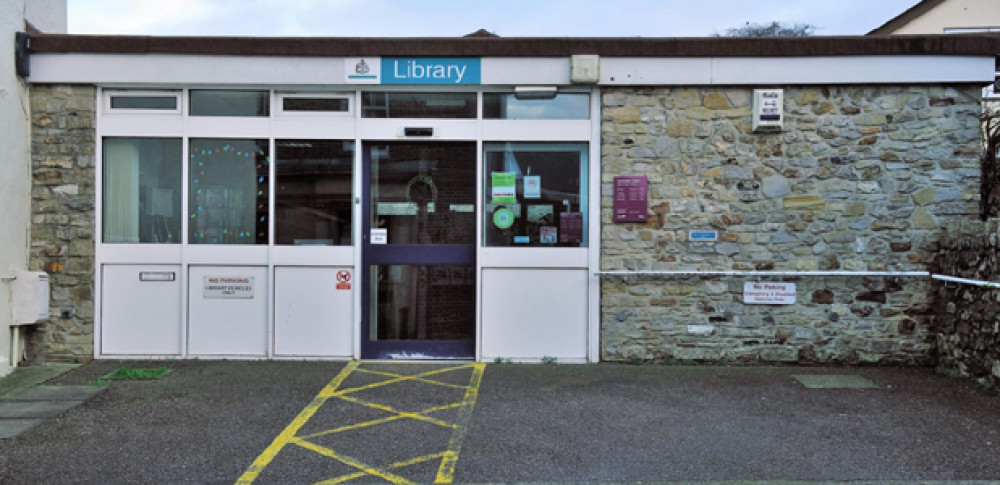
(431, 70)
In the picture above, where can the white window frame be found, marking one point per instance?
(280, 104)
(340, 126)
(111, 93)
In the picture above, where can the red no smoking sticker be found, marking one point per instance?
(343, 279)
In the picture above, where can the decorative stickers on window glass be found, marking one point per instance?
(228, 195)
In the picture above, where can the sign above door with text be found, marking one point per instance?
(413, 70)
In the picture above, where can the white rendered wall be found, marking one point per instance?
(952, 14)
(49, 16)
(15, 158)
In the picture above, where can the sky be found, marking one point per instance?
(454, 18)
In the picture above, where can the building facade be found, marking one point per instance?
(574, 200)
(15, 184)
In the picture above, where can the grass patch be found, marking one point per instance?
(131, 373)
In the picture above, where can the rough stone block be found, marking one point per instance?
(804, 202)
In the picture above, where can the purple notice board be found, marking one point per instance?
(631, 198)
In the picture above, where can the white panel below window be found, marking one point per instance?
(228, 310)
(313, 311)
(530, 314)
(141, 310)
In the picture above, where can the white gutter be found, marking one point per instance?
(761, 273)
(679, 273)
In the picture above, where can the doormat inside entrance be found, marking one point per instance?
(835, 382)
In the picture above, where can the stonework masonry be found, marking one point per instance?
(967, 317)
(62, 204)
(862, 178)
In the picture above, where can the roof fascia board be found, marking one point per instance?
(972, 44)
(161, 70)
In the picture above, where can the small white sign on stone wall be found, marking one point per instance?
(225, 287)
(768, 293)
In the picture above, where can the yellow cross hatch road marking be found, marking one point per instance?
(339, 396)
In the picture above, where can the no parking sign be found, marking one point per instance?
(343, 279)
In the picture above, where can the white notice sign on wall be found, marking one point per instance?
(768, 293)
(228, 287)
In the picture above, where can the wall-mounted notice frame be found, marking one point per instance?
(768, 293)
(228, 287)
(631, 198)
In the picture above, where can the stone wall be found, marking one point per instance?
(62, 206)
(966, 317)
(861, 179)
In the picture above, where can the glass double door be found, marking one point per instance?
(418, 250)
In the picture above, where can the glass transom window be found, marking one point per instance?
(418, 105)
(564, 106)
(224, 102)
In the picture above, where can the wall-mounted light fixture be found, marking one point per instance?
(535, 92)
(22, 50)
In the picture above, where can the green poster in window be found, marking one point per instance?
(504, 187)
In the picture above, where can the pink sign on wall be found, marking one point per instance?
(631, 198)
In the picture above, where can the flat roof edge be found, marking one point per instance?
(955, 44)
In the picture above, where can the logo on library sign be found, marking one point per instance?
(362, 70)
(343, 279)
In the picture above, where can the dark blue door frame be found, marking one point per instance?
(404, 254)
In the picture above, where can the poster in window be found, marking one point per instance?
(504, 187)
(571, 227)
(532, 186)
(541, 214)
(548, 235)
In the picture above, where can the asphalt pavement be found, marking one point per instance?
(373, 422)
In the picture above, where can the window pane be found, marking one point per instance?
(218, 102)
(339, 105)
(536, 195)
(423, 193)
(423, 302)
(144, 102)
(565, 106)
(142, 190)
(418, 105)
(228, 191)
(313, 192)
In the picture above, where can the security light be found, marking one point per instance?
(535, 92)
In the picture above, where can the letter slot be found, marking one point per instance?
(157, 276)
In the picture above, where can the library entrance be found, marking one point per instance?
(418, 250)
